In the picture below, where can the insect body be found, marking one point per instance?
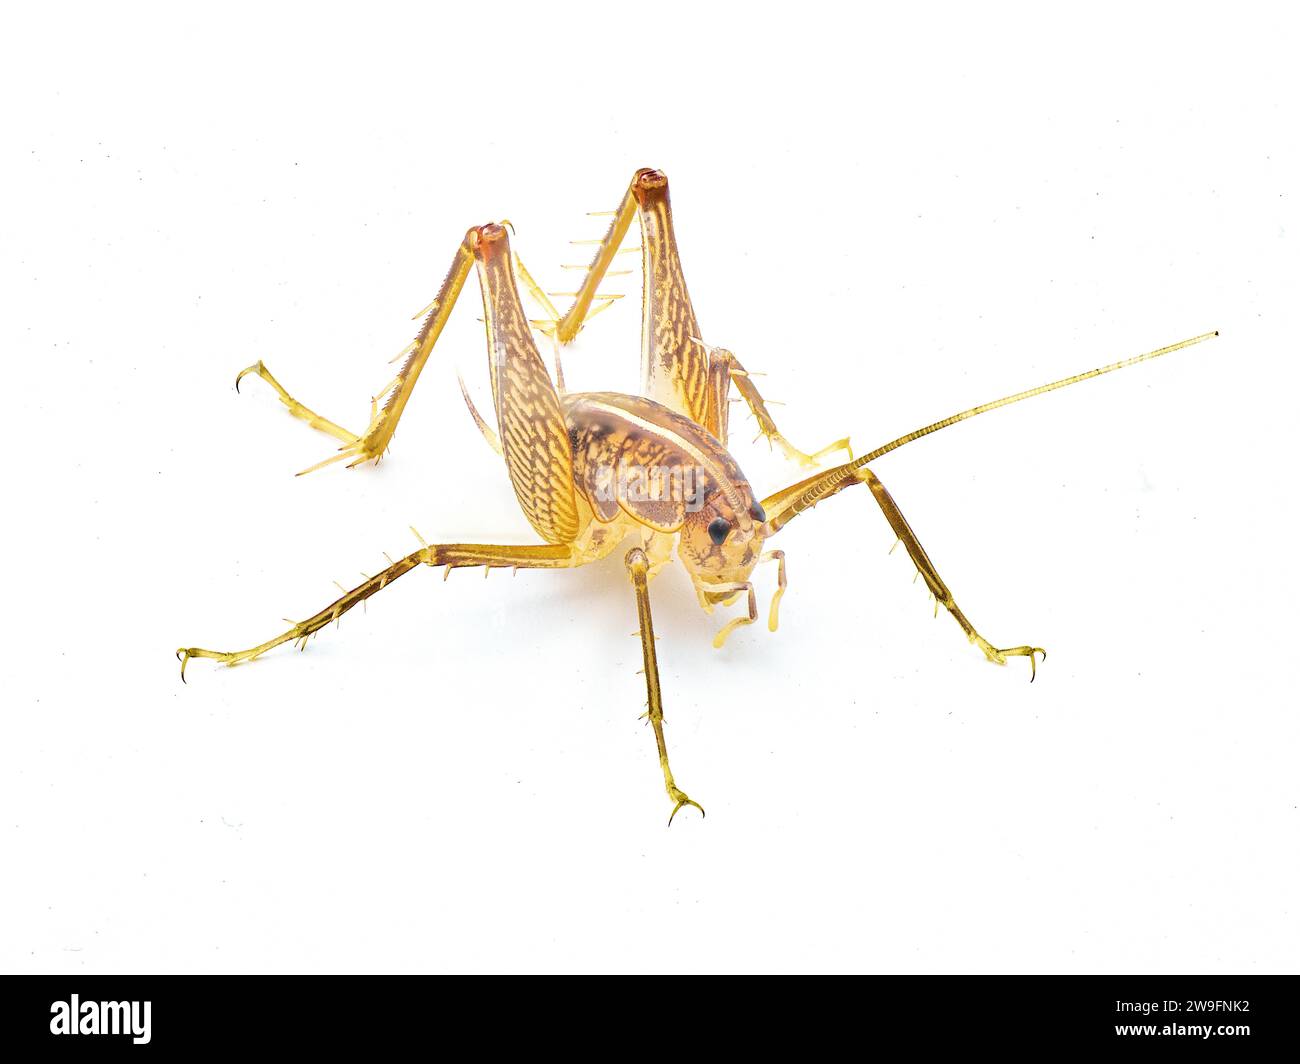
(595, 470)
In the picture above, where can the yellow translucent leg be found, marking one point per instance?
(534, 436)
(388, 403)
(943, 597)
(546, 325)
(777, 556)
(567, 327)
(452, 555)
(717, 400)
(296, 408)
(535, 290)
(725, 370)
(638, 567)
(674, 371)
(735, 588)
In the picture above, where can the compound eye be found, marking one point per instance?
(719, 529)
(758, 513)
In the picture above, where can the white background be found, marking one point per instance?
(894, 216)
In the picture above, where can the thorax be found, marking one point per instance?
(636, 455)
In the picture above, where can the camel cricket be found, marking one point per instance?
(592, 470)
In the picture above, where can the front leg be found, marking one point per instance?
(942, 596)
(638, 567)
(785, 505)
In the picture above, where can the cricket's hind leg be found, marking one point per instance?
(389, 402)
(638, 567)
(451, 555)
(674, 370)
(565, 327)
(724, 371)
(934, 581)
(296, 408)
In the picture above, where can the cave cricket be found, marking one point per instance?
(593, 470)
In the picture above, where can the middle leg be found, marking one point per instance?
(451, 555)
(638, 567)
(997, 655)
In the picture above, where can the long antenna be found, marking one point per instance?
(817, 487)
(984, 408)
